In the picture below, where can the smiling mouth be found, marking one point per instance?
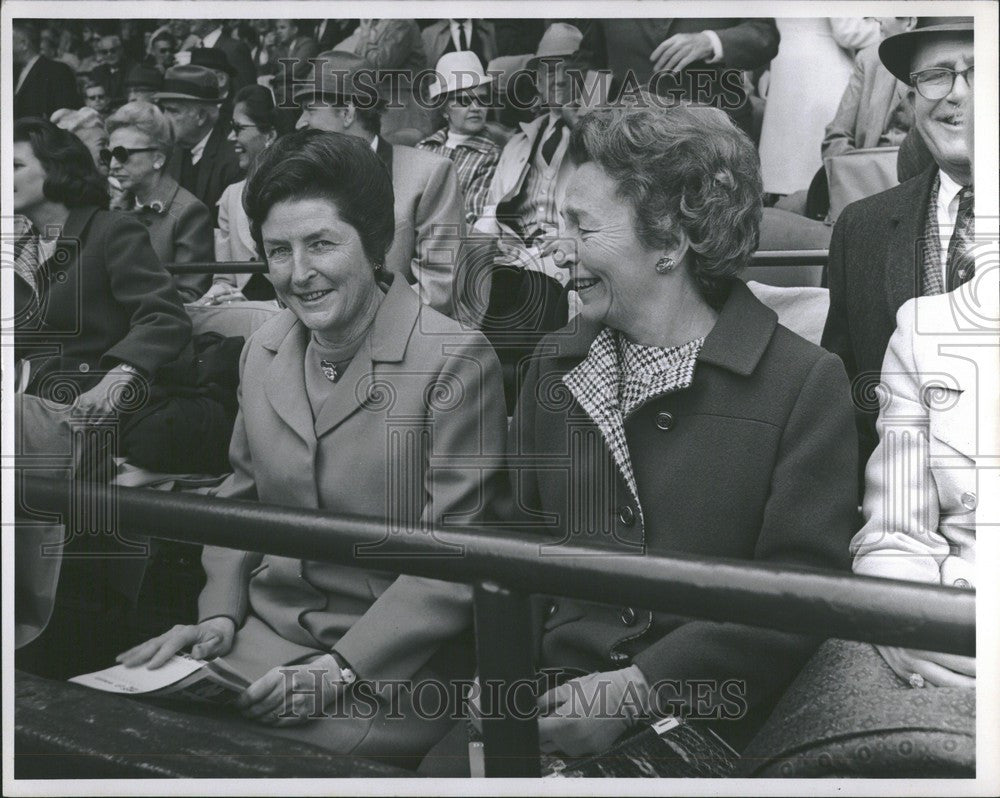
(581, 284)
(312, 296)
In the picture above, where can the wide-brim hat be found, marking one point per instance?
(560, 40)
(896, 52)
(189, 82)
(339, 74)
(458, 71)
(144, 77)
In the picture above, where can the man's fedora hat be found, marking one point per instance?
(561, 40)
(189, 82)
(339, 74)
(144, 77)
(458, 71)
(896, 52)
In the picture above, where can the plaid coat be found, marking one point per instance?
(475, 162)
(755, 460)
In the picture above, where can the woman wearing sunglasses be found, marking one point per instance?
(180, 227)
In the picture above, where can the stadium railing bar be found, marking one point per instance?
(505, 566)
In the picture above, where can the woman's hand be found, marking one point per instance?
(219, 294)
(286, 695)
(100, 401)
(936, 670)
(680, 50)
(588, 714)
(210, 638)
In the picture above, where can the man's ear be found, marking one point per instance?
(910, 24)
(349, 115)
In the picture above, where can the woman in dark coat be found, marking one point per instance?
(99, 315)
(688, 422)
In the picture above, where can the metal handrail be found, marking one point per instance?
(506, 564)
(784, 257)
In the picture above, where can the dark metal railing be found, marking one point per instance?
(505, 566)
(785, 257)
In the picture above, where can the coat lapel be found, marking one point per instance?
(285, 385)
(386, 343)
(904, 254)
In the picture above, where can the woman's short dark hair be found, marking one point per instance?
(683, 165)
(71, 177)
(317, 164)
(258, 104)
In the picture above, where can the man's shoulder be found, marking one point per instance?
(410, 158)
(906, 198)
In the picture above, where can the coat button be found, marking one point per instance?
(962, 583)
(628, 616)
(969, 500)
(626, 515)
(664, 421)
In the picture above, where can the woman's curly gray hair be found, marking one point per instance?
(687, 167)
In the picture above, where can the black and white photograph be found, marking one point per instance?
(500, 398)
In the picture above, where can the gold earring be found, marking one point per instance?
(665, 264)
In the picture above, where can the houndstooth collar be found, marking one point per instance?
(616, 378)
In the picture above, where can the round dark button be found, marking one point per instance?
(626, 515)
(553, 609)
(664, 420)
(628, 616)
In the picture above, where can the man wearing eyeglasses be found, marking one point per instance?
(113, 69)
(914, 239)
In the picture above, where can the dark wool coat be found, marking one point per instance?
(754, 461)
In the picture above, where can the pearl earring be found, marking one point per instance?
(665, 264)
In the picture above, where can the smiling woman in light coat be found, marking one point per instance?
(358, 400)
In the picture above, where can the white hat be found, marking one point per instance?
(458, 72)
(560, 40)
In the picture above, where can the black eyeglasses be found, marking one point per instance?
(237, 128)
(936, 83)
(122, 154)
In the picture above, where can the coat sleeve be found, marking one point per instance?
(226, 591)
(839, 135)
(808, 521)
(193, 244)
(159, 329)
(900, 538)
(409, 622)
(750, 44)
(439, 227)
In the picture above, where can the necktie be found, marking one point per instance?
(961, 265)
(463, 36)
(552, 142)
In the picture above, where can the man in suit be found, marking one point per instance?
(292, 40)
(113, 69)
(873, 111)
(912, 240)
(203, 160)
(212, 33)
(41, 85)
(330, 32)
(457, 35)
(428, 203)
(693, 58)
